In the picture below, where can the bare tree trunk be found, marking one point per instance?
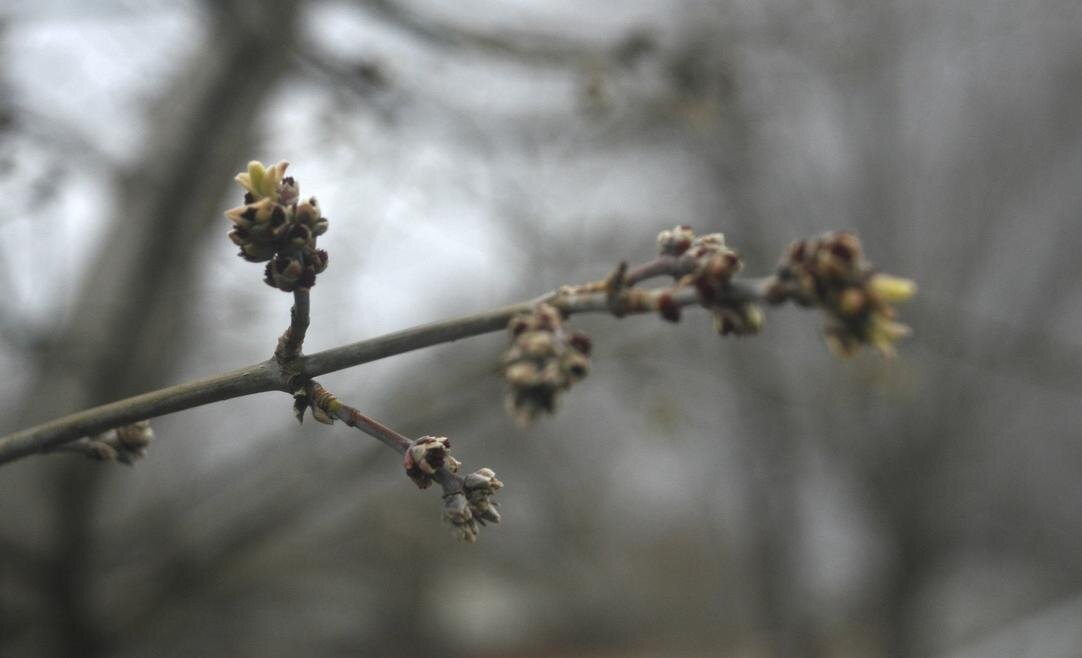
(129, 313)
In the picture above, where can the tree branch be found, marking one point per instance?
(258, 378)
(268, 376)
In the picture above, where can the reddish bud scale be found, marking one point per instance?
(707, 291)
(580, 342)
(667, 308)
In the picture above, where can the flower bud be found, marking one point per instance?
(892, 289)
(284, 272)
(102, 451)
(675, 241)
(544, 359)
(136, 436)
(484, 478)
(830, 272)
(479, 488)
(457, 513)
(425, 456)
(272, 226)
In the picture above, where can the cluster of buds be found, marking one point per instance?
(708, 264)
(465, 510)
(124, 444)
(474, 507)
(275, 226)
(830, 272)
(544, 359)
(480, 486)
(427, 455)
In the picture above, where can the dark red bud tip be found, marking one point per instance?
(668, 308)
(797, 251)
(776, 293)
(518, 325)
(842, 250)
(581, 342)
(707, 292)
(278, 216)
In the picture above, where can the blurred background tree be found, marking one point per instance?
(784, 503)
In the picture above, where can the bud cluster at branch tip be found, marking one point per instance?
(467, 502)
(830, 272)
(467, 511)
(277, 227)
(710, 265)
(545, 359)
(480, 486)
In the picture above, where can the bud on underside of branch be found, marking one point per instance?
(544, 360)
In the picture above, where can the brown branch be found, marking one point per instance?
(674, 266)
(463, 514)
(268, 376)
(291, 342)
(258, 378)
(548, 49)
(323, 399)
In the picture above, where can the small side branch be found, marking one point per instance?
(325, 401)
(467, 500)
(291, 342)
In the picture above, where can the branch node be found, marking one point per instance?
(615, 287)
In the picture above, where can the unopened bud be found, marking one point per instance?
(456, 512)
(102, 451)
(136, 436)
(675, 241)
(483, 478)
(892, 289)
(852, 301)
(425, 456)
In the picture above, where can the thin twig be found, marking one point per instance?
(267, 376)
(674, 266)
(354, 418)
(291, 342)
(450, 482)
(407, 340)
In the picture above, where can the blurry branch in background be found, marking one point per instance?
(546, 49)
(69, 143)
(272, 505)
(276, 226)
